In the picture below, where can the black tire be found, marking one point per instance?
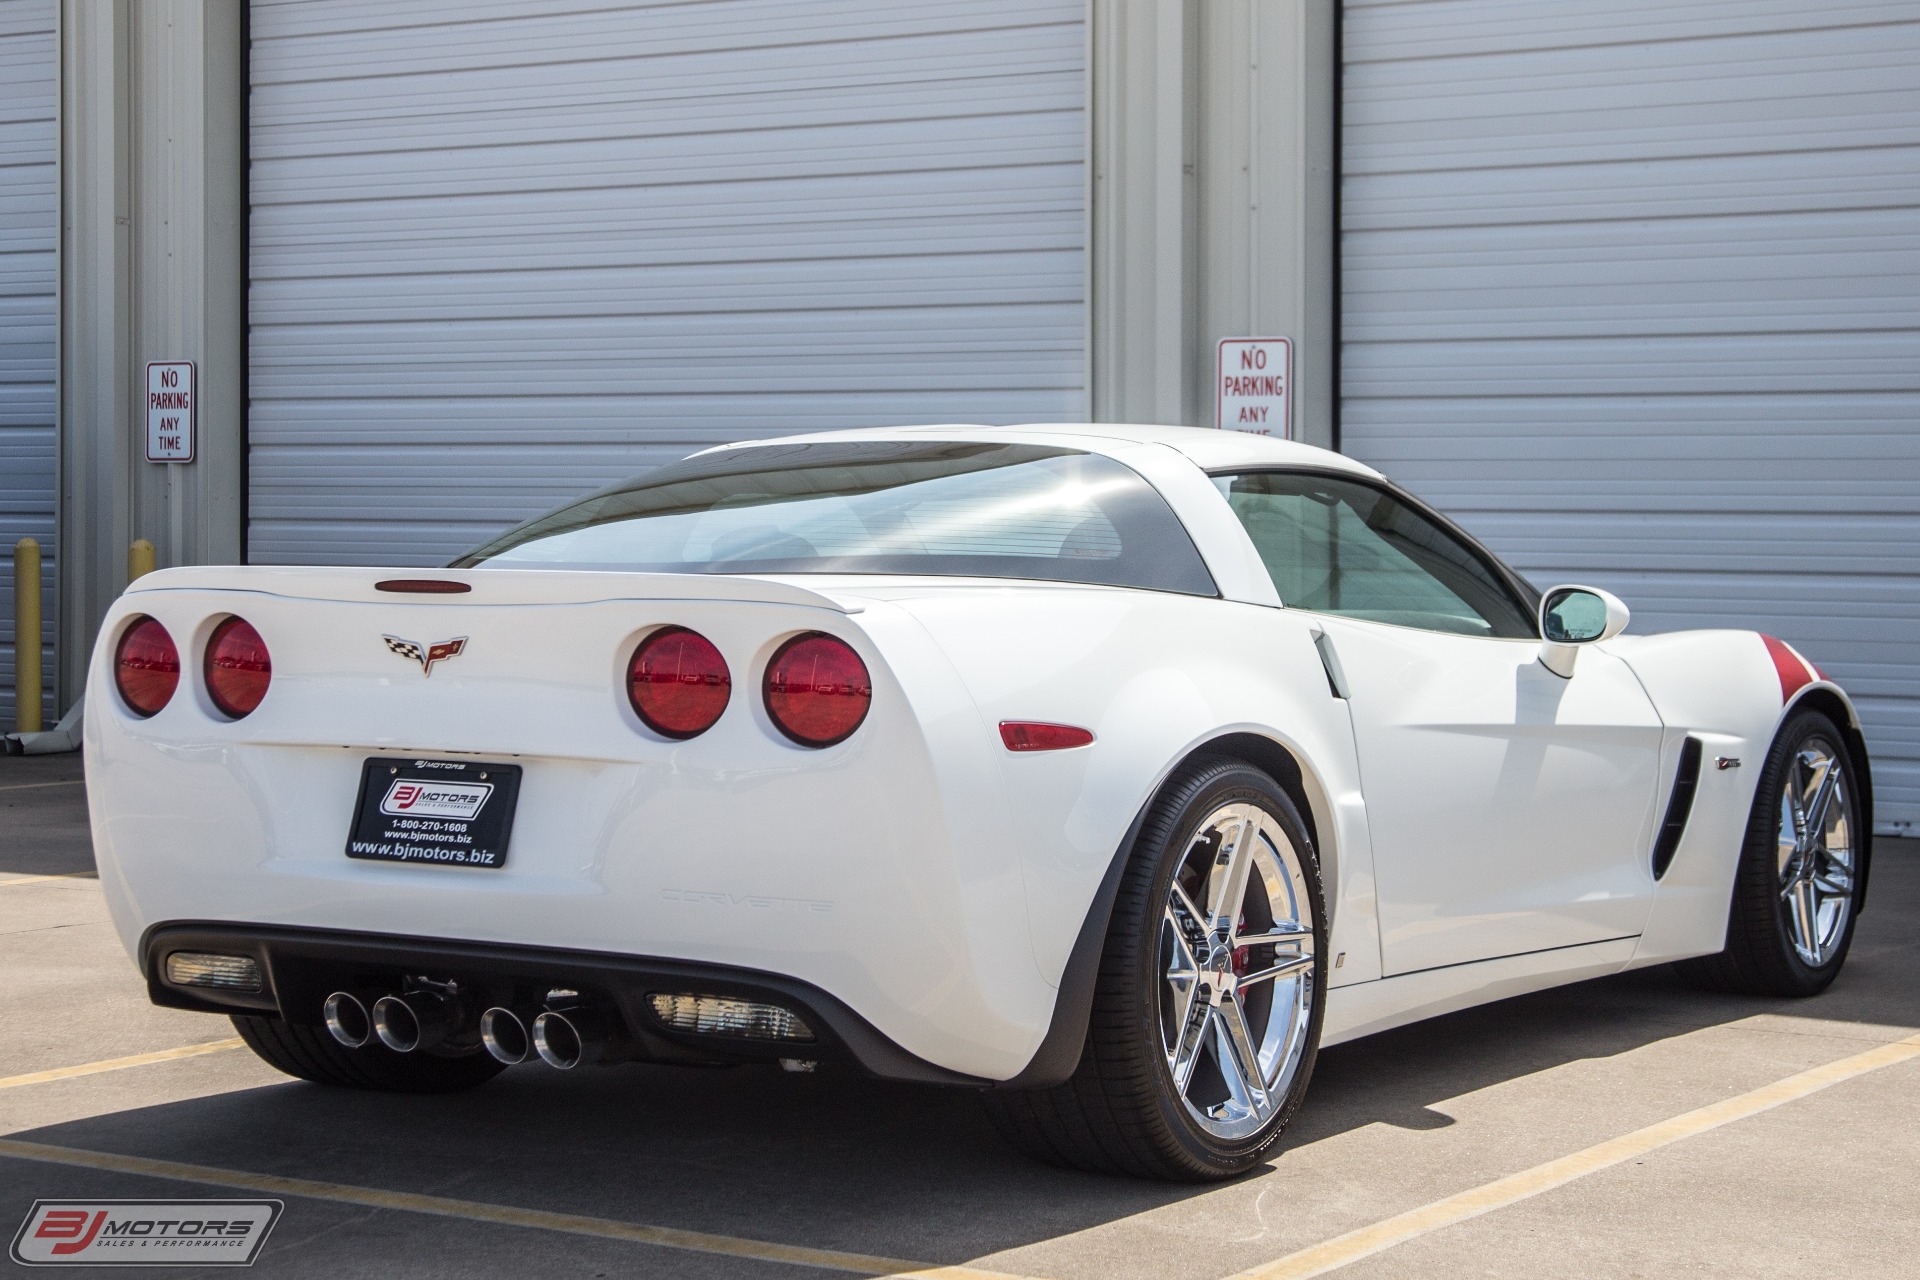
(1120, 1112)
(309, 1053)
(1760, 957)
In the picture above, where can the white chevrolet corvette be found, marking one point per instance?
(1112, 771)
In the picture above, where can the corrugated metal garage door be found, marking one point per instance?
(503, 253)
(28, 233)
(1633, 289)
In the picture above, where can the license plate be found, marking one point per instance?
(455, 813)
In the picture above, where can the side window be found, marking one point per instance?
(1338, 546)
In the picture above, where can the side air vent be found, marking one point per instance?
(1685, 783)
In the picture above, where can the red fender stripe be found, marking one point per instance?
(1796, 673)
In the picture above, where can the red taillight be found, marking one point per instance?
(817, 690)
(678, 682)
(1033, 735)
(238, 668)
(146, 667)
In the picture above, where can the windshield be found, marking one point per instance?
(895, 507)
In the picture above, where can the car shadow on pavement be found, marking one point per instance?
(835, 1161)
(1395, 1077)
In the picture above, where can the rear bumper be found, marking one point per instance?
(301, 966)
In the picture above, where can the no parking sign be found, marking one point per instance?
(1253, 386)
(170, 411)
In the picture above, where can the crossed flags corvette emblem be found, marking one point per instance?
(426, 656)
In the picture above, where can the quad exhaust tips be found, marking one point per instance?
(424, 1017)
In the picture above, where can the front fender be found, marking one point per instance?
(1731, 690)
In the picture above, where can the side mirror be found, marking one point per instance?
(1571, 616)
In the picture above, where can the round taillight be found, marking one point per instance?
(146, 667)
(817, 690)
(678, 682)
(238, 668)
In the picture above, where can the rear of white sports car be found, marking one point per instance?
(547, 804)
(511, 797)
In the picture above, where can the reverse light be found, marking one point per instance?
(146, 667)
(205, 969)
(725, 1016)
(238, 668)
(1034, 735)
(678, 683)
(817, 689)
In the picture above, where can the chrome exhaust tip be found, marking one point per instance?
(564, 1038)
(347, 1019)
(395, 1024)
(419, 1019)
(505, 1035)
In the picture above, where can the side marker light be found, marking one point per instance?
(1034, 735)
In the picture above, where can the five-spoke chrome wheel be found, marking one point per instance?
(1237, 955)
(1815, 851)
(1205, 1020)
(1796, 892)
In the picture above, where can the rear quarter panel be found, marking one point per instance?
(1155, 677)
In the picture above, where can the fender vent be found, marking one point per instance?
(1685, 783)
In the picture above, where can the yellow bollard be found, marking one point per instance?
(26, 636)
(139, 559)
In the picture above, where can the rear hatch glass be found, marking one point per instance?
(874, 507)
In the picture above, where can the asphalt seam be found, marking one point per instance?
(1343, 1250)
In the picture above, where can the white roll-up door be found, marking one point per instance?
(29, 232)
(503, 253)
(1632, 288)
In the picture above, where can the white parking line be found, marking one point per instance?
(508, 1215)
(33, 786)
(1330, 1255)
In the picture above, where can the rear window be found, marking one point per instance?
(894, 507)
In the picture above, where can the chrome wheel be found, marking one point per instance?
(1815, 854)
(1237, 955)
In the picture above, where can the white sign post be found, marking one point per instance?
(1253, 386)
(170, 411)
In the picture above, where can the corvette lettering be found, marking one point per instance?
(414, 799)
(426, 655)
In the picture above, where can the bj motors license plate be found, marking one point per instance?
(456, 813)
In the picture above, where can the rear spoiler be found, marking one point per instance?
(483, 586)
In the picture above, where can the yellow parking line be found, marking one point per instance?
(508, 1215)
(34, 786)
(120, 1064)
(63, 875)
(1332, 1254)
